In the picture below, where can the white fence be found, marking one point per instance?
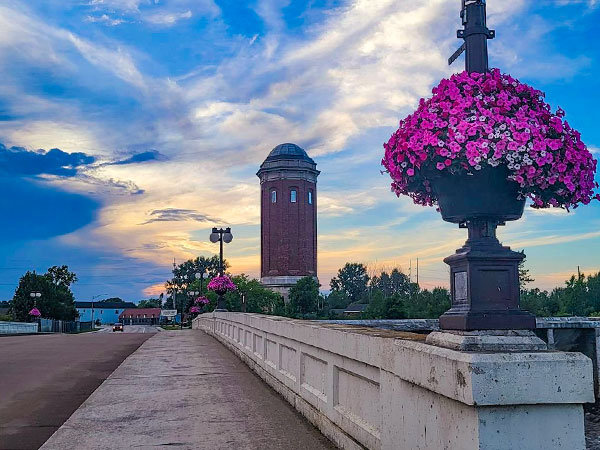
(18, 327)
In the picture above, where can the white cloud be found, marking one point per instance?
(336, 90)
(117, 61)
(121, 5)
(167, 18)
(105, 19)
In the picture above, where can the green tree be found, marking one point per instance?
(351, 280)
(304, 296)
(149, 303)
(185, 279)
(424, 304)
(593, 293)
(337, 300)
(250, 295)
(524, 276)
(394, 283)
(539, 303)
(382, 307)
(61, 276)
(56, 301)
(573, 298)
(112, 300)
(169, 303)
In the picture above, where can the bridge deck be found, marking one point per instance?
(186, 390)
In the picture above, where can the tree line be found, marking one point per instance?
(56, 299)
(580, 296)
(383, 295)
(392, 295)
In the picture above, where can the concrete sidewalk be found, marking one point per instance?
(184, 389)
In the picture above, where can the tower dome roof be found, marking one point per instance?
(288, 151)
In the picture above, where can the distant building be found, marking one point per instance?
(288, 204)
(105, 311)
(352, 311)
(140, 316)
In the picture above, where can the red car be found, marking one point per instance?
(118, 326)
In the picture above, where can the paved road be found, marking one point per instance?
(43, 379)
(131, 329)
(185, 390)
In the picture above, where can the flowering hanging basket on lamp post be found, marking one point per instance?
(481, 146)
(199, 304)
(221, 285)
(495, 142)
(35, 313)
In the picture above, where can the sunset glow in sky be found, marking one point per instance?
(162, 111)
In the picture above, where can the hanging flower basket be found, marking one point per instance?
(221, 285)
(483, 144)
(35, 313)
(201, 301)
(487, 193)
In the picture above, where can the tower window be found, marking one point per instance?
(310, 197)
(273, 196)
(293, 196)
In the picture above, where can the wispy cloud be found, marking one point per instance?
(220, 92)
(105, 19)
(167, 19)
(176, 215)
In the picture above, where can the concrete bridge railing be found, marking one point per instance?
(382, 389)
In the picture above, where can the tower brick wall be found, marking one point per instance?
(288, 228)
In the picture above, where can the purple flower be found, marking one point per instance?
(221, 284)
(487, 120)
(35, 312)
(202, 301)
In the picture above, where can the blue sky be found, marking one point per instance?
(128, 128)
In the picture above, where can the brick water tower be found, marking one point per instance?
(288, 212)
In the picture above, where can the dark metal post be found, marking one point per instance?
(221, 254)
(221, 301)
(221, 235)
(475, 35)
(484, 276)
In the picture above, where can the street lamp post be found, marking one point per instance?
(35, 295)
(484, 279)
(221, 235)
(201, 276)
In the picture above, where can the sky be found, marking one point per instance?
(128, 128)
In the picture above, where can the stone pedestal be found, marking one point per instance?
(488, 341)
(484, 281)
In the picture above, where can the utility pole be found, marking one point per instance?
(417, 271)
(175, 294)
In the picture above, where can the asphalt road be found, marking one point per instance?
(43, 379)
(131, 329)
